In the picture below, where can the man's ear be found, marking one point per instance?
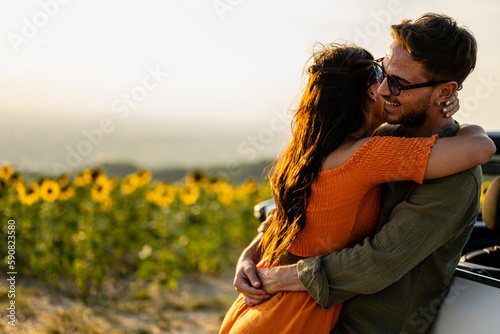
(446, 91)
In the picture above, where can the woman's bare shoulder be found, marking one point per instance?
(344, 153)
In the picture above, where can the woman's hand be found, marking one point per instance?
(451, 106)
(247, 283)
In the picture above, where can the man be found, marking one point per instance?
(394, 281)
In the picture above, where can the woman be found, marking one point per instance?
(332, 171)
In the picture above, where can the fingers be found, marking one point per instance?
(243, 286)
(451, 106)
(251, 295)
(246, 277)
(251, 301)
(251, 276)
(247, 283)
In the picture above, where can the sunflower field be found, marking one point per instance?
(94, 227)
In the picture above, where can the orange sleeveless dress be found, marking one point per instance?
(343, 210)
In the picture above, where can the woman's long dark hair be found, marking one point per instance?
(333, 106)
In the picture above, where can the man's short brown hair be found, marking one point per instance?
(447, 51)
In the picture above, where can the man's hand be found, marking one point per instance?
(282, 278)
(247, 283)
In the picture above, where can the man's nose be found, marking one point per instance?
(383, 89)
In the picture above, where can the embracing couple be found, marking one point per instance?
(370, 219)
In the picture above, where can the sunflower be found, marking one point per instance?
(246, 189)
(63, 180)
(28, 195)
(144, 177)
(6, 172)
(484, 188)
(152, 195)
(197, 177)
(16, 179)
(162, 195)
(130, 184)
(101, 179)
(83, 178)
(100, 191)
(225, 192)
(106, 204)
(66, 193)
(213, 186)
(113, 182)
(190, 194)
(49, 190)
(95, 173)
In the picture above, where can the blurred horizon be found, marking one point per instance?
(188, 84)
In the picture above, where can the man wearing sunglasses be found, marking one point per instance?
(394, 85)
(395, 280)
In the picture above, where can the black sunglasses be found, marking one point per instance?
(394, 85)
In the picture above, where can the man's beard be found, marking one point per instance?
(415, 115)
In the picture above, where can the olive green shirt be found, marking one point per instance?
(394, 281)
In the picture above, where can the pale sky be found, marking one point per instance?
(188, 83)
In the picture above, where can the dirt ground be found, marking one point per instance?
(198, 306)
